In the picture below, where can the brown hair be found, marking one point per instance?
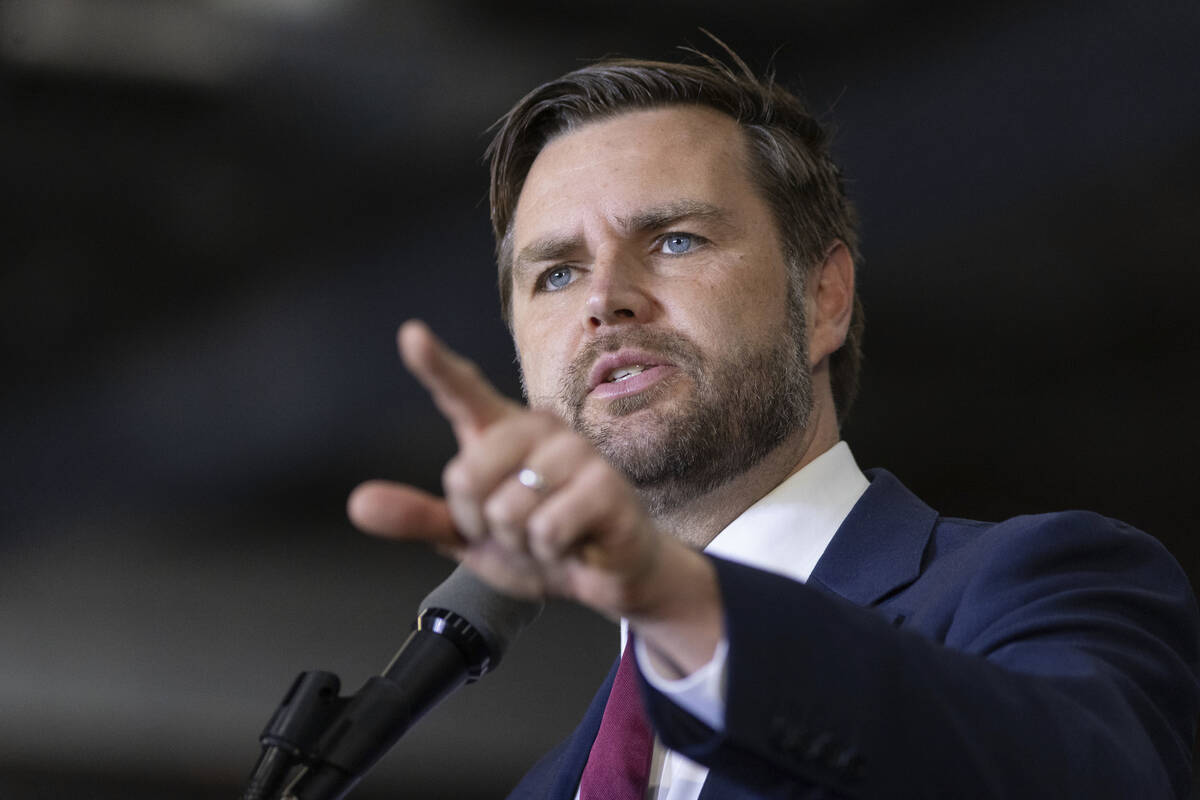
(790, 161)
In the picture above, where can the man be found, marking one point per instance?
(677, 265)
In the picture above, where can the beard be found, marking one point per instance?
(740, 409)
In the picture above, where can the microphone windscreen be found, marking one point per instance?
(497, 617)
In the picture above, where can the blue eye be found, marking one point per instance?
(557, 278)
(678, 243)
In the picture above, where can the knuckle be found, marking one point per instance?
(498, 510)
(544, 530)
(456, 478)
(552, 534)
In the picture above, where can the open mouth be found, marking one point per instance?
(624, 373)
(623, 366)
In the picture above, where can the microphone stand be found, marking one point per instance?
(293, 731)
(336, 740)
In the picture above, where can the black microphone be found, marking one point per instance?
(463, 629)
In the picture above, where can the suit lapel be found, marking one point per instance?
(880, 545)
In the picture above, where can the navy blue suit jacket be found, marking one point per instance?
(1051, 656)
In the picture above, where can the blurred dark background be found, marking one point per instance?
(215, 213)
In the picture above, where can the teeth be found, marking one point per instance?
(621, 373)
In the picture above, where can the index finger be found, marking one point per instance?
(459, 389)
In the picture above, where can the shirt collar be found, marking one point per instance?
(789, 528)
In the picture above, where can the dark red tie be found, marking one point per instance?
(618, 767)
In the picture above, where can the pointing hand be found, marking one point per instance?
(533, 509)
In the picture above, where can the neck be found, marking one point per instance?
(698, 521)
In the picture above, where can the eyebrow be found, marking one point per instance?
(554, 248)
(664, 216)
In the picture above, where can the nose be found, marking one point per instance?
(617, 294)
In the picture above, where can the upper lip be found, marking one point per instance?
(622, 358)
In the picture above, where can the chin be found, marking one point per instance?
(638, 443)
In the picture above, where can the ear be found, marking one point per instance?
(830, 303)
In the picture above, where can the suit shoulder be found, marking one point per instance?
(1050, 537)
(975, 573)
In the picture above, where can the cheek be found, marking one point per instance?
(542, 360)
(736, 306)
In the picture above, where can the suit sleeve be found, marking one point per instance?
(1052, 657)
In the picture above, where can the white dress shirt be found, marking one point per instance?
(785, 532)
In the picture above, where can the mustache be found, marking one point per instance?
(679, 349)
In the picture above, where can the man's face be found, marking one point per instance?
(651, 300)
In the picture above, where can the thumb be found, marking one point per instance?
(396, 511)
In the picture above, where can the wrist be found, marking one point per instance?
(680, 620)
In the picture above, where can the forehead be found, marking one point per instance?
(612, 167)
